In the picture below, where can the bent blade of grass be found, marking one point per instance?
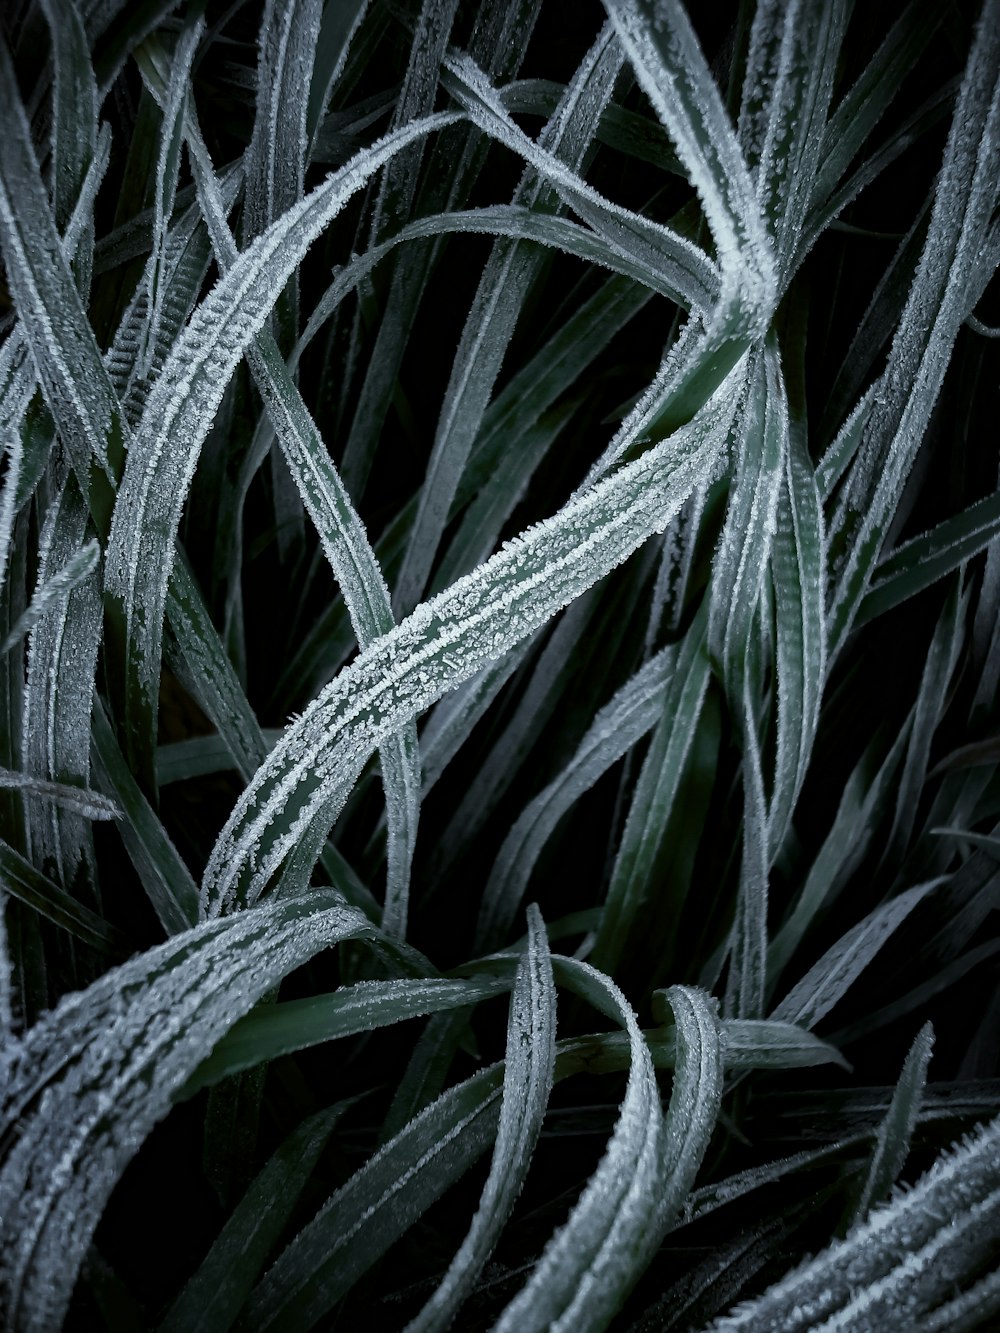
(892, 1145)
(294, 1025)
(904, 1260)
(56, 586)
(828, 980)
(622, 722)
(177, 416)
(590, 1264)
(528, 1070)
(791, 65)
(167, 167)
(956, 263)
(110, 1059)
(681, 265)
(922, 560)
(49, 304)
(506, 281)
(363, 1218)
(798, 572)
(344, 542)
(58, 692)
(214, 1295)
(672, 71)
(655, 793)
(445, 641)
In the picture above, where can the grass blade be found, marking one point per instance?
(622, 722)
(213, 1296)
(447, 640)
(531, 1033)
(70, 1147)
(592, 1261)
(895, 1132)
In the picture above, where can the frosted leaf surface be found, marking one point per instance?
(528, 1069)
(589, 1263)
(90, 1080)
(906, 1258)
(669, 64)
(167, 167)
(960, 253)
(180, 409)
(62, 662)
(345, 543)
(824, 984)
(448, 639)
(507, 278)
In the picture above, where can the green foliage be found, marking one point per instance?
(473, 468)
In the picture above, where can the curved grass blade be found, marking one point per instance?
(828, 980)
(110, 1059)
(345, 544)
(531, 1033)
(921, 561)
(892, 1145)
(57, 586)
(681, 265)
(58, 693)
(655, 793)
(167, 167)
(213, 1297)
(445, 641)
(589, 1264)
(902, 1262)
(622, 722)
(379, 1202)
(672, 71)
(294, 1025)
(180, 408)
(506, 281)
(957, 260)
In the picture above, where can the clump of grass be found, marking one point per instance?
(499, 601)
